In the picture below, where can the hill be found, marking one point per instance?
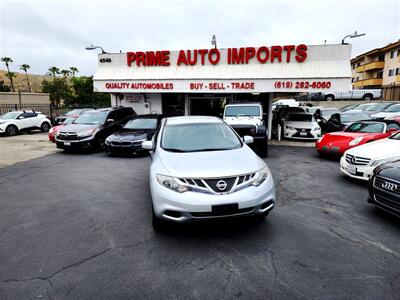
(20, 83)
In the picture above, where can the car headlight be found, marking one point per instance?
(290, 127)
(261, 176)
(50, 131)
(356, 141)
(170, 183)
(316, 128)
(139, 141)
(107, 142)
(86, 133)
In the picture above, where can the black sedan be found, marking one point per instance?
(129, 139)
(384, 187)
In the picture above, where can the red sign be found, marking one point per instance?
(235, 56)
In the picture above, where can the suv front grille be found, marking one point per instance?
(67, 136)
(242, 131)
(356, 160)
(219, 185)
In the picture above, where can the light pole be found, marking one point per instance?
(92, 47)
(352, 36)
(214, 41)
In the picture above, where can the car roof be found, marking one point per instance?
(300, 113)
(192, 119)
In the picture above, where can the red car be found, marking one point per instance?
(358, 133)
(53, 130)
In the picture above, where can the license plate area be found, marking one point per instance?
(67, 143)
(303, 133)
(225, 209)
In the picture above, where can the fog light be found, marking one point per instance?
(173, 214)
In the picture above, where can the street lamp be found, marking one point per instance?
(352, 36)
(214, 41)
(92, 47)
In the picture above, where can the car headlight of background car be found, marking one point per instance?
(170, 183)
(316, 128)
(107, 142)
(86, 133)
(356, 141)
(261, 176)
(290, 127)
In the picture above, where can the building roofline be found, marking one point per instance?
(376, 51)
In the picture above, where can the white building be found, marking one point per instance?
(202, 81)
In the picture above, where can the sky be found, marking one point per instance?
(55, 33)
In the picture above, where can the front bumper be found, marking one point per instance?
(128, 149)
(302, 135)
(87, 143)
(192, 206)
(355, 171)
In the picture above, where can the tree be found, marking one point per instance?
(58, 90)
(8, 60)
(73, 70)
(3, 87)
(65, 73)
(25, 68)
(84, 94)
(54, 71)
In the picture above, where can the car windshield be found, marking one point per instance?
(300, 117)
(366, 127)
(233, 111)
(395, 136)
(10, 115)
(345, 118)
(74, 112)
(69, 121)
(141, 124)
(199, 137)
(376, 107)
(393, 108)
(327, 113)
(92, 118)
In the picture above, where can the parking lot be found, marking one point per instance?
(79, 227)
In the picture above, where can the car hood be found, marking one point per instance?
(390, 170)
(232, 121)
(303, 125)
(345, 136)
(381, 149)
(211, 163)
(130, 135)
(78, 127)
(384, 114)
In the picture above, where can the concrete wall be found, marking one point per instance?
(26, 98)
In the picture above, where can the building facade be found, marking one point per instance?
(378, 68)
(203, 81)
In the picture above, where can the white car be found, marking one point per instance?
(301, 126)
(360, 162)
(202, 169)
(13, 122)
(391, 111)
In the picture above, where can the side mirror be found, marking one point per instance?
(148, 145)
(20, 118)
(248, 139)
(110, 121)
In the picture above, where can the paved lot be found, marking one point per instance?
(79, 227)
(24, 147)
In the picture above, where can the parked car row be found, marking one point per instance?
(369, 151)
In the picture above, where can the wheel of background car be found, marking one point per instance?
(45, 127)
(329, 97)
(11, 130)
(367, 97)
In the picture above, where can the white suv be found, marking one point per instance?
(13, 122)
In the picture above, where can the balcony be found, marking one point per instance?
(368, 82)
(375, 65)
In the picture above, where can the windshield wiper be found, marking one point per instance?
(174, 150)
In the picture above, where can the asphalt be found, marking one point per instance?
(79, 227)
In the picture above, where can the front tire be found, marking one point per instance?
(45, 127)
(329, 98)
(11, 130)
(367, 97)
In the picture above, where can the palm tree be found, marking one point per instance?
(8, 60)
(65, 73)
(25, 68)
(73, 70)
(53, 71)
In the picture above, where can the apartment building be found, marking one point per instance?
(378, 68)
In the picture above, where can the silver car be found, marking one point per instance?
(201, 169)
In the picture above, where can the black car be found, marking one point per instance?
(92, 128)
(384, 187)
(129, 139)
